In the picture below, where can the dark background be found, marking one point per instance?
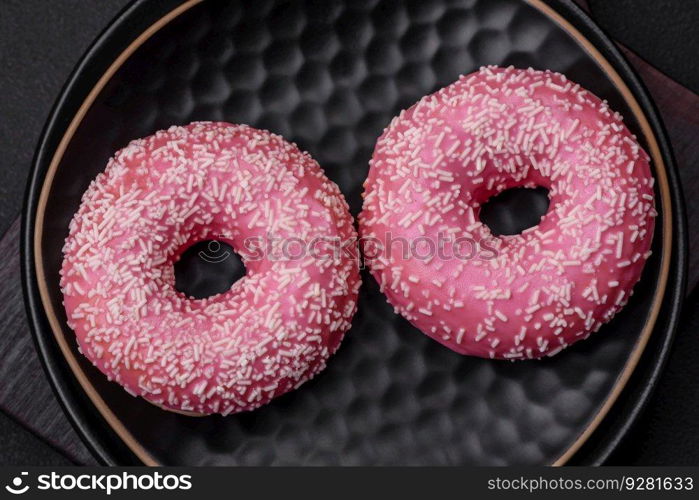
(41, 41)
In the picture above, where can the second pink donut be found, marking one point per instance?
(527, 295)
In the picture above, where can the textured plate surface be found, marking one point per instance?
(330, 75)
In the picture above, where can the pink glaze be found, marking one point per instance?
(272, 331)
(522, 296)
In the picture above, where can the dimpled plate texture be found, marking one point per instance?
(330, 75)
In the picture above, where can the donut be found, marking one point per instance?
(520, 296)
(273, 330)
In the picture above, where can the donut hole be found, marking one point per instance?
(207, 268)
(513, 210)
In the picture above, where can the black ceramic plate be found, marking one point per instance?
(330, 74)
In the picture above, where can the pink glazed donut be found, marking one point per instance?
(272, 331)
(514, 297)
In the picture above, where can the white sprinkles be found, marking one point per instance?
(534, 293)
(231, 352)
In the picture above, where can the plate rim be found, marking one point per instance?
(46, 161)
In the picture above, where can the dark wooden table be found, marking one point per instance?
(25, 393)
